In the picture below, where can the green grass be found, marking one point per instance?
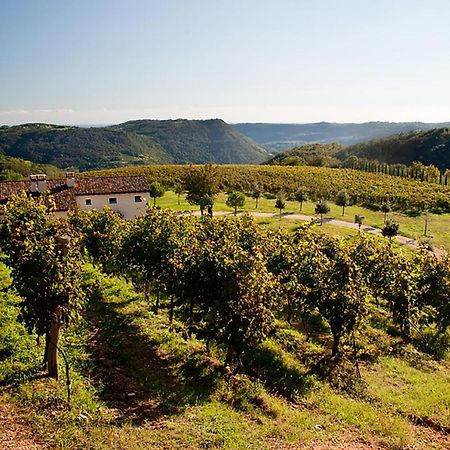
(401, 387)
(410, 226)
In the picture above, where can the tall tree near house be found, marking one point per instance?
(201, 186)
(45, 261)
(301, 196)
(236, 200)
(342, 199)
(156, 191)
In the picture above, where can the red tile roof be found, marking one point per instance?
(65, 197)
(110, 185)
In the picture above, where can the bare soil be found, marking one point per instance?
(16, 433)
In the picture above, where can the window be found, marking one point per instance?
(137, 199)
(113, 201)
(88, 202)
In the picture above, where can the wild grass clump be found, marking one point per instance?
(280, 370)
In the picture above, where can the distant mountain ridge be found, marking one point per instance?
(132, 143)
(280, 137)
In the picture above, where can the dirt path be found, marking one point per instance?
(340, 223)
(15, 431)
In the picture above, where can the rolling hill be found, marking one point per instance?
(427, 147)
(132, 143)
(309, 154)
(280, 137)
(198, 141)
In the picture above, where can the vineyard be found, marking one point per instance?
(364, 188)
(256, 321)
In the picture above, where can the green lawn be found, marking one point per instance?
(413, 227)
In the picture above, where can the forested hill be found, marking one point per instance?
(309, 154)
(279, 137)
(427, 147)
(198, 141)
(132, 143)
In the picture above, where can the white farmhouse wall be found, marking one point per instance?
(125, 203)
(60, 214)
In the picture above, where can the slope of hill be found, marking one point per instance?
(16, 169)
(309, 154)
(428, 147)
(198, 141)
(279, 137)
(132, 143)
(81, 148)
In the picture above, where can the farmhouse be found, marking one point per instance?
(127, 195)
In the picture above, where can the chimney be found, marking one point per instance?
(70, 179)
(34, 186)
(41, 182)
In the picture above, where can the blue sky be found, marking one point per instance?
(107, 61)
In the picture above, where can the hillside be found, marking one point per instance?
(309, 154)
(198, 141)
(428, 147)
(132, 143)
(15, 168)
(279, 137)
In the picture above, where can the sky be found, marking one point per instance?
(284, 61)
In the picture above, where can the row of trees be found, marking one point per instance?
(227, 280)
(416, 170)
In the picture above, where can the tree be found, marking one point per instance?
(102, 233)
(340, 295)
(235, 200)
(222, 279)
(146, 250)
(200, 184)
(45, 260)
(390, 229)
(301, 195)
(434, 288)
(321, 209)
(256, 194)
(178, 189)
(156, 191)
(385, 207)
(342, 199)
(359, 220)
(280, 202)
